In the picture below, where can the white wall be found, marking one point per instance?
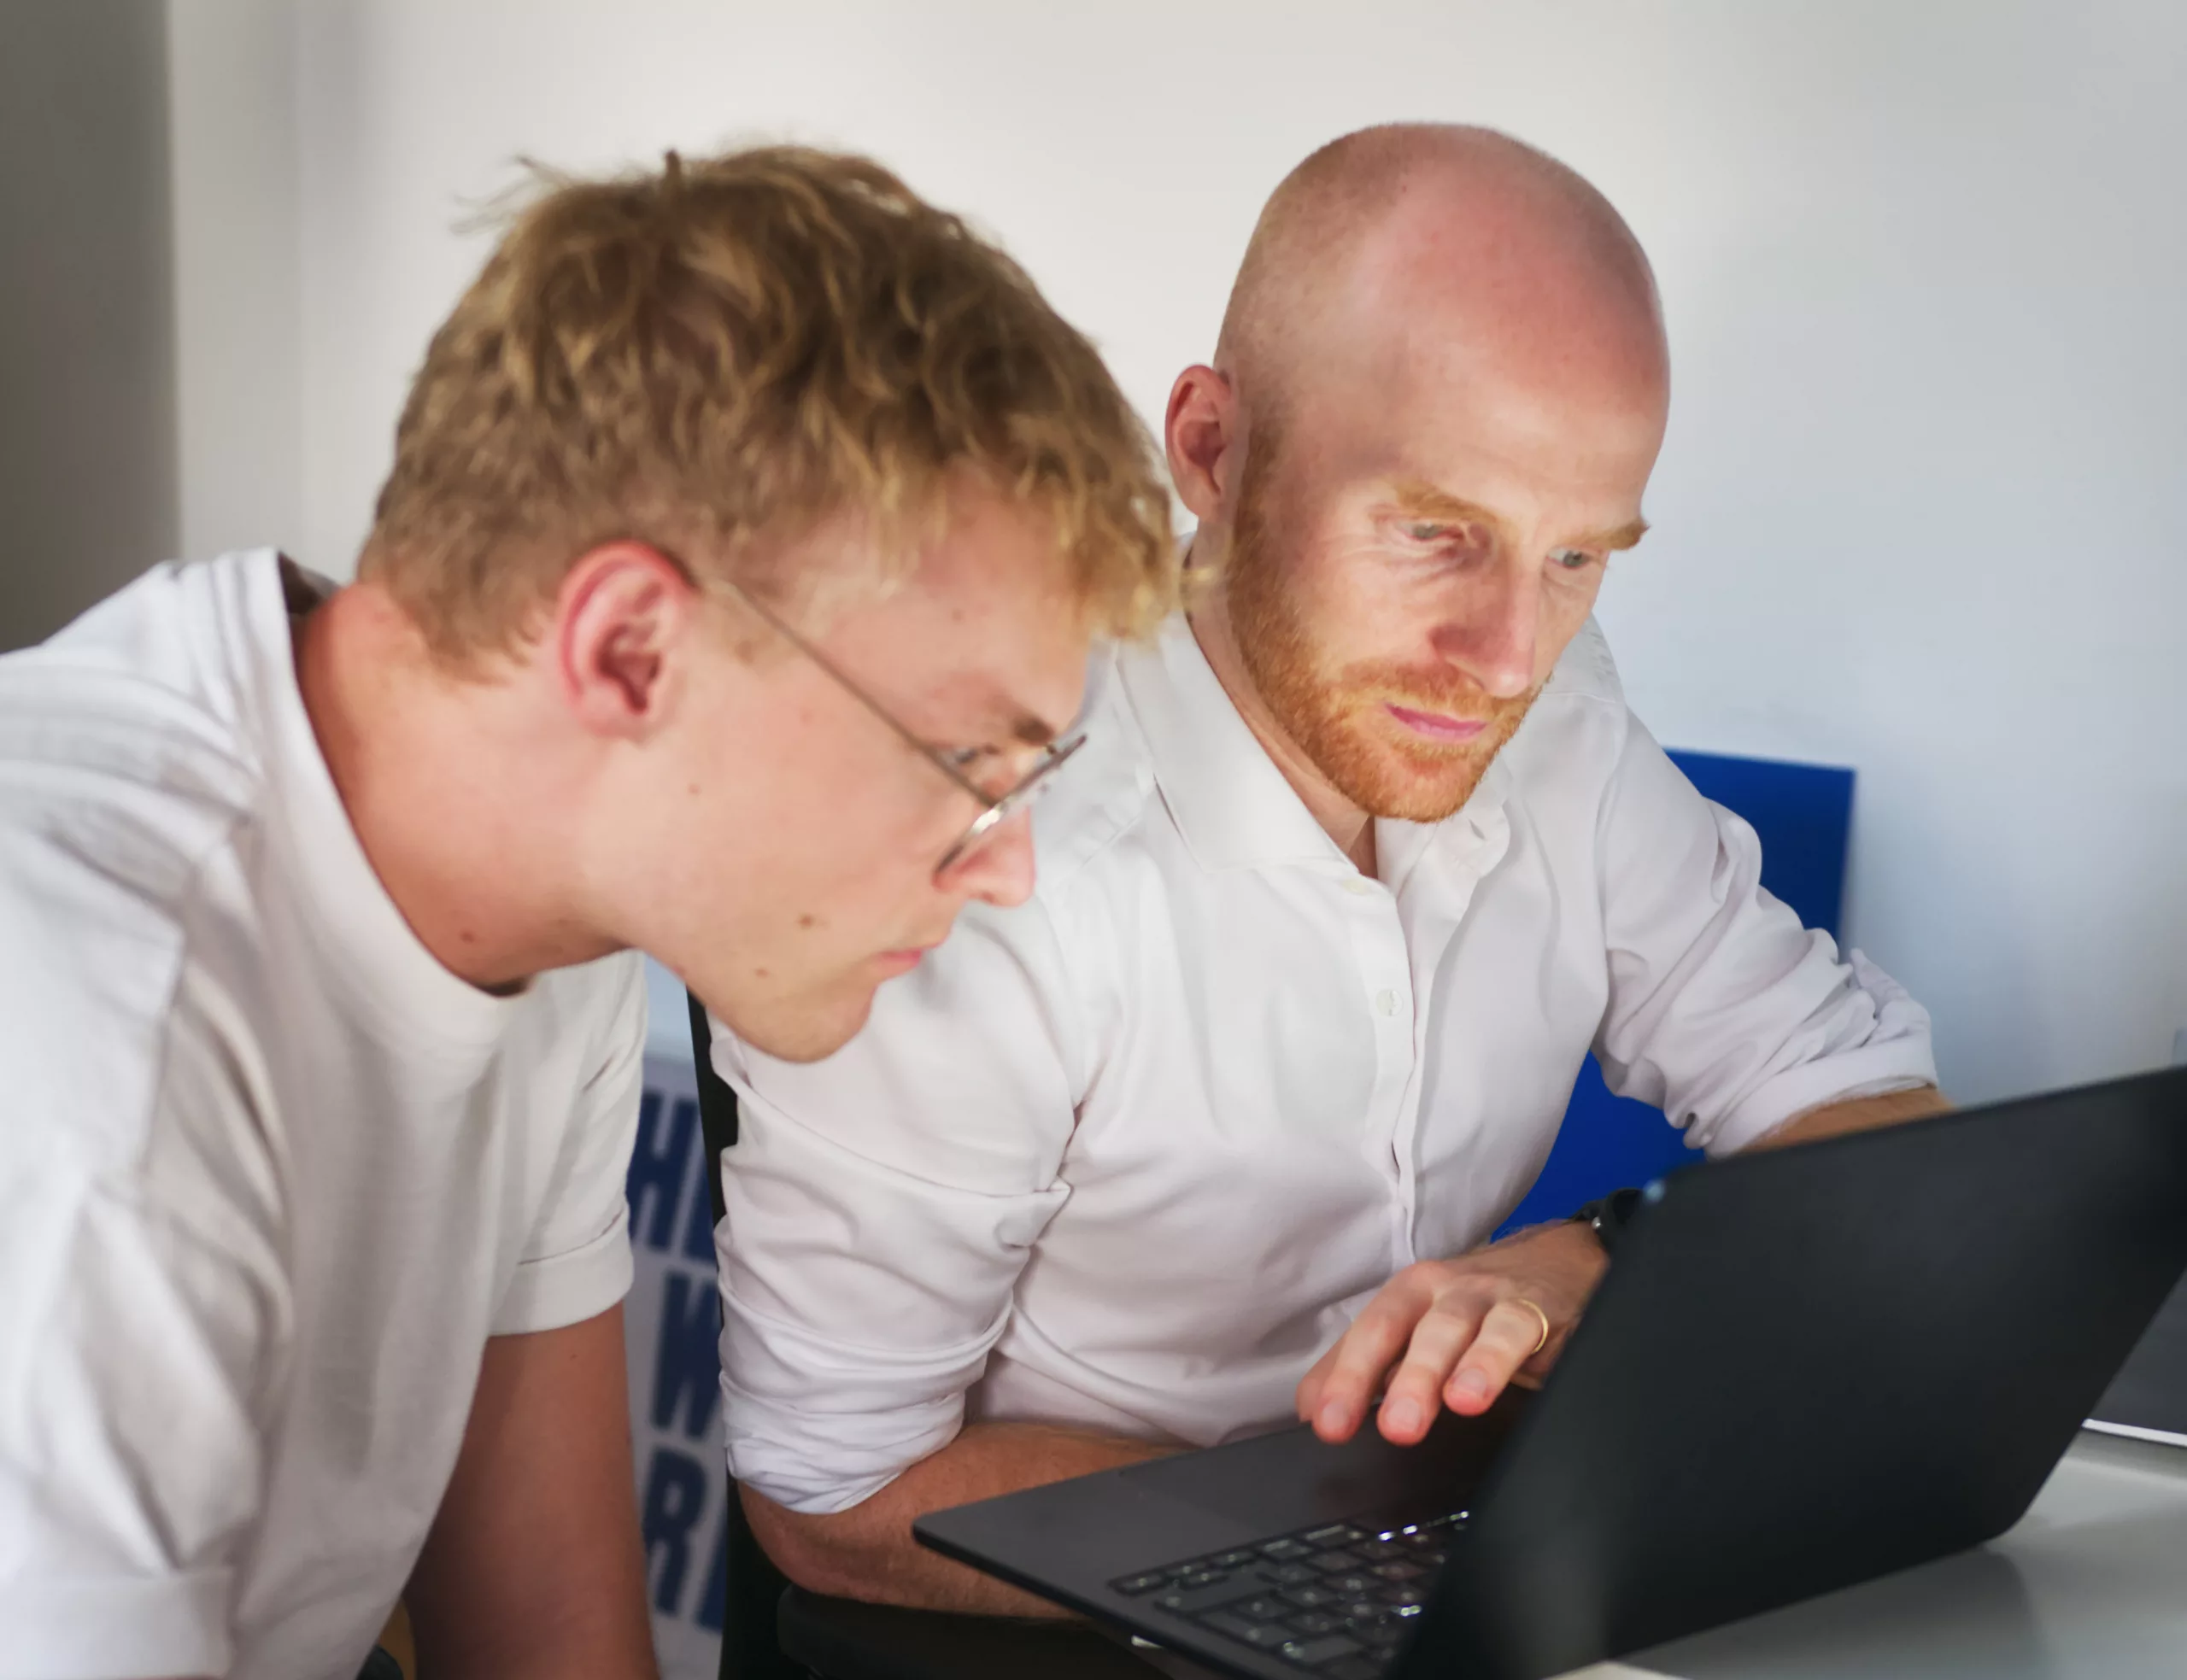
(1921, 511)
(239, 286)
(87, 340)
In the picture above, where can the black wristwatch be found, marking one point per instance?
(1609, 1215)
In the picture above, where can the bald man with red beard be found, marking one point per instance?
(1362, 860)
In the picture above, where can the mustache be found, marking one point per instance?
(1443, 691)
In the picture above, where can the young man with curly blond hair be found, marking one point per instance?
(732, 588)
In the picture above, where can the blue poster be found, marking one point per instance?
(672, 1321)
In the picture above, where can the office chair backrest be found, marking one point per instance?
(750, 1649)
(717, 1102)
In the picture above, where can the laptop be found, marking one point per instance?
(2148, 1399)
(1805, 1368)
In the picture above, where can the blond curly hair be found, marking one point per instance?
(722, 354)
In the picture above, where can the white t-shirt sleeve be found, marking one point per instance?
(881, 1205)
(143, 1328)
(577, 1264)
(1724, 1010)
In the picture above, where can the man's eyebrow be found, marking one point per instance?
(1422, 499)
(1031, 731)
(1625, 536)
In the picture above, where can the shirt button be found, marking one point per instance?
(1387, 1001)
(1358, 884)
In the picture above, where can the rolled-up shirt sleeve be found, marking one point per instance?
(1723, 1009)
(880, 1207)
(577, 1263)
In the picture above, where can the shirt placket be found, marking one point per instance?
(1430, 909)
(1385, 992)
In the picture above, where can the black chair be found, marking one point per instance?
(773, 1630)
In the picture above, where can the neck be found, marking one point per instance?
(1344, 823)
(440, 783)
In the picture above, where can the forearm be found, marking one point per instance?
(867, 1552)
(1863, 1114)
(533, 1570)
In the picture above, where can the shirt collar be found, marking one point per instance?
(1228, 798)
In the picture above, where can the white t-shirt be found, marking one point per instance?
(270, 1175)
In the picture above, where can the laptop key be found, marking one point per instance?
(1262, 1609)
(1182, 1600)
(1261, 1635)
(1354, 1586)
(1287, 1551)
(1338, 1562)
(1232, 1560)
(1402, 1569)
(1309, 1598)
(1336, 1534)
(1314, 1622)
(1287, 1574)
(1383, 1630)
(1312, 1652)
(1133, 1585)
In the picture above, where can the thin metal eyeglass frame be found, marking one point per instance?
(994, 810)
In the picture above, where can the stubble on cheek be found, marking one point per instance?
(1337, 715)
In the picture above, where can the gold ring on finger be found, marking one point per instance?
(1534, 1308)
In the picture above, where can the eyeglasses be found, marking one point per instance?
(995, 810)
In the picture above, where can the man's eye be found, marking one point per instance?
(1422, 532)
(964, 758)
(1571, 560)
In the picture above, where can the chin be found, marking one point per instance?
(1400, 787)
(807, 1030)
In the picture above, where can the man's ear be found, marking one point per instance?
(623, 625)
(1200, 433)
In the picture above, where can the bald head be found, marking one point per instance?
(1458, 238)
(1438, 396)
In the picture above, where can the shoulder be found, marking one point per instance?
(144, 710)
(599, 1009)
(1100, 797)
(603, 1000)
(1587, 671)
(1579, 729)
(129, 785)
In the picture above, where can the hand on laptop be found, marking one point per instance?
(1454, 1333)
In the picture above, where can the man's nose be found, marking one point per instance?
(998, 871)
(1493, 634)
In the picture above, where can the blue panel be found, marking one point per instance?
(1803, 814)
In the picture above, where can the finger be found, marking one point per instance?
(1506, 1341)
(1350, 1373)
(1309, 1393)
(1415, 1392)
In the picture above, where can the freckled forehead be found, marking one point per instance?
(984, 641)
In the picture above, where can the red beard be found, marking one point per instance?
(1339, 718)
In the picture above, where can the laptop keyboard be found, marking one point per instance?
(1336, 1600)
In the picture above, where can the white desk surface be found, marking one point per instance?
(2091, 1584)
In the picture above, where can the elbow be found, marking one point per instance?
(828, 1554)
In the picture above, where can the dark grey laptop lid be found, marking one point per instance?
(1811, 1367)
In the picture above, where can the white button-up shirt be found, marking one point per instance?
(1132, 1154)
